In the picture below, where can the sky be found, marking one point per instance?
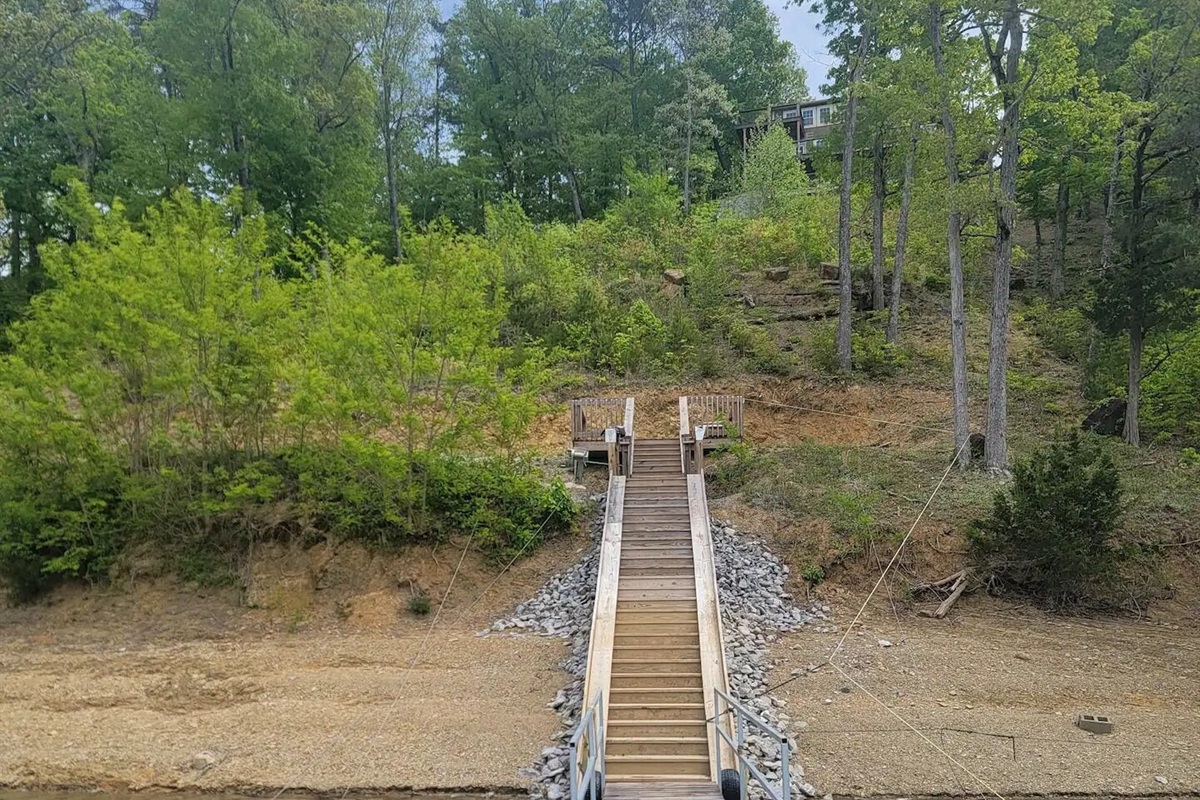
(796, 24)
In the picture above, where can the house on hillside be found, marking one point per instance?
(808, 123)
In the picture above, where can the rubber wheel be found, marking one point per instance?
(596, 790)
(731, 785)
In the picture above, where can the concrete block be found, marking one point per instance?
(1094, 723)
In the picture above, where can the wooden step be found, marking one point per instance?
(635, 506)
(650, 651)
(674, 766)
(654, 526)
(643, 583)
(648, 697)
(662, 595)
(655, 680)
(679, 639)
(673, 624)
(636, 548)
(656, 711)
(636, 571)
(663, 666)
(654, 558)
(642, 542)
(656, 745)
(661, 788)
(681, 727)
(674, 609)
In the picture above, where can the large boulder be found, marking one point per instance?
(1108, 418)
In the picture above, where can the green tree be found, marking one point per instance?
(1149, 287)
(1052, 534)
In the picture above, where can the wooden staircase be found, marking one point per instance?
(656, 728)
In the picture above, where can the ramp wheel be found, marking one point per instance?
(731, 785)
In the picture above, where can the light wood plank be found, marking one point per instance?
(708, 613)
(604, 608)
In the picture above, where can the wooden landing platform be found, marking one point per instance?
(656, 790)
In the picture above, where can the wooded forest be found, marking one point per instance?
(285, 266)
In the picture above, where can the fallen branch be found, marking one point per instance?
(924, 587)
(948, 603)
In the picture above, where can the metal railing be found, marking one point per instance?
(743, 717)
(587, 779)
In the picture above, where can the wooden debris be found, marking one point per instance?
(957, 583)
(777, 274)
(674, 276)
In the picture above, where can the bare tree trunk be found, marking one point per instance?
(910, 159)
(958, 315)
(1008, 78)
(1038, 246)
(1134, 391)
(1058, 271)
(14, 247)
(851, 119)
(437, 109)
(389, 153)
(576, 200)
(878, 195)
(687, 152)
(1114, 177)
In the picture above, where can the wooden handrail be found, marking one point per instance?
(591, 416)
(723, 412)
(598, 675)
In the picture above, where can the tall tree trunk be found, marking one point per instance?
(910, 160)
(1134, 390)
(878, 195)
(1110, 205)
(958, 315)
(437, 109)
(844, 297)
(633, 85)
(1136, 246)
(14, 247)
(389, 157)
(1038, 246)
(996, 443)
(1062, 206)
(576, 200)
(687, 152)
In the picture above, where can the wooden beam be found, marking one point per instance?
(604, 609)
(708, 614)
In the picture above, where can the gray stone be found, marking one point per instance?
(204, 761)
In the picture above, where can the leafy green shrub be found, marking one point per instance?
(757, 345)
(171, 390)
(870, 352)
(644, 344)
(1063, 331)
(419, 604)
(737, 465)
(1051, 535)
